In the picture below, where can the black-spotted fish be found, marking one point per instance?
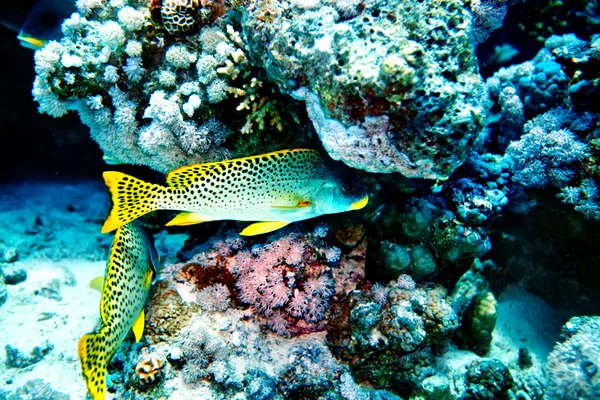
(131, 265)
(275, 188)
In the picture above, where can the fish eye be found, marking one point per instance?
(48, 20)
(349, 185)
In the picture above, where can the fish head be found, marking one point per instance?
(339, 192)
(44, 21)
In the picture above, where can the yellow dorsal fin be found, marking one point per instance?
(97, 283)
(301, 204)
(188, 218)
(263, 227)
(138, 326)
(185, 176)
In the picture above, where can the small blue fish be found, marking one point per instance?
(44, 21)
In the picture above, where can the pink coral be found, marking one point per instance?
(289, 275)
(321, 285)
(288, 282)
(278, 323)
(298, 303)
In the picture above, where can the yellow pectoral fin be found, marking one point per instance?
(148, 279)
(188, 218)
(357, 205)
(138, 326)
(263, 227)
(97, 283)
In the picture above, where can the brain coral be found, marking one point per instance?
(394, 88)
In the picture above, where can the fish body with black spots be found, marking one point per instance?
(131, 266)
(274, 188)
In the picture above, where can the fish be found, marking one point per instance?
(110, 160)
(131, 267)
(275, 189)
(43, 22)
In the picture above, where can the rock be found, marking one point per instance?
(3, 291)
(388, 90)
(10, 255)
(17, 359)
(14, 275)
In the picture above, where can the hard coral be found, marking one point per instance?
(479, 322)
(394, 89)
(388, 338)
(487, 380)
(180, 17)
(166, 313)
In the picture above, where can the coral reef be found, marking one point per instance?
(394, 301)
(147, 97)
(169, 313)
(16, 359)
(406, 99)
(478, 323)
(488, 380)
(545, 156)
(434, 234)
(551, 153)
(547, 17)
(393, 334)
(288, 282)
(180, 17)
(413, 104)
(573, 364)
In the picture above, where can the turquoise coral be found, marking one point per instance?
(136, 88)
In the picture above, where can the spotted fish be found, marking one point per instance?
(275, 188)
(132, 264)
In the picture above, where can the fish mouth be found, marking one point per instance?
(357, 205)
(31, 42)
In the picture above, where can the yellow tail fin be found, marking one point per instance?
(131, 198)
(94, 360)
